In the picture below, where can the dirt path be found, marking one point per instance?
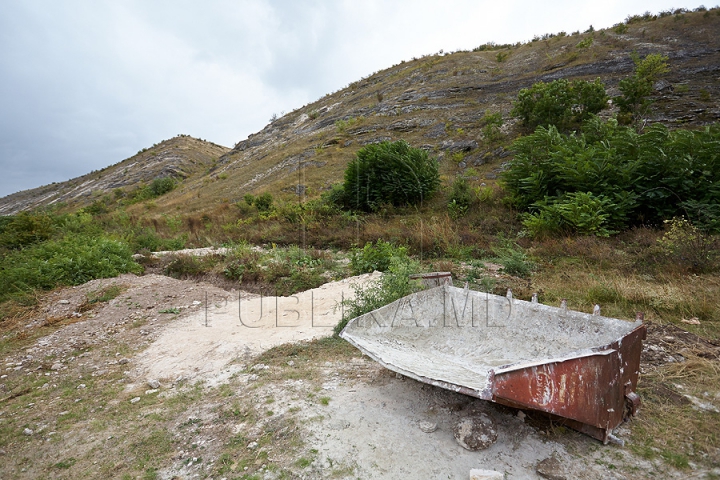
(204, 343)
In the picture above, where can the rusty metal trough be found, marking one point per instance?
(581, 368)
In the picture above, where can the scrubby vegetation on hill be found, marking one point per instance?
(608, 178)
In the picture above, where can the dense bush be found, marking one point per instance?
(562, 103)
(146, 239)
(576, 212)
(242, 264)
(335, 197)
(25, 229)
(161, 186)
(390, 173)
(264, 202)
(156, 188)
(609, 177)
(67, 261)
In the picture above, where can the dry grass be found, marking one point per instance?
(667, 299)
(669, 425)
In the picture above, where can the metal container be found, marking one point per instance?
(581, 368)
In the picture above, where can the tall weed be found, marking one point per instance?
(394, 284)
(377, 256)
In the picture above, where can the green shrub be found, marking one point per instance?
(390, 173)
(620, 28)
(80, 223)
(175, 243)
(249, 199)
(636, 90)
(375, 257)
(98, 207)
(242, 264)
(25, 229)
(513, 259)
(460, 198)
(183, 266)
(586, 43)
(545, 222)
(335, 197)
(561, 103)
(145, 240)
(633, 179)
(66, 261)
(286, 270)
(343, 125)
(264, 202)
(299, 280)
(393, 285)
(577, 212)
(492, 124)
(158, 187)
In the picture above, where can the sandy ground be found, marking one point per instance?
(201, 345)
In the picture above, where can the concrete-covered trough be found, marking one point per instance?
(579, 367)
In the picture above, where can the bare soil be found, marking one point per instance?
(168, 380)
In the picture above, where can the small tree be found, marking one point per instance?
(460, 198)
(561, 103)
(390, 173)
(161, 186)
(635, 99)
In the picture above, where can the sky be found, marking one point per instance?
(86, 84)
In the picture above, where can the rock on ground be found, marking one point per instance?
(427, 427)
(551, 469)
(475, 433)
(477, 474)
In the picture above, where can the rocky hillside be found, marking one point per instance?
(180, 157)
(443, 103)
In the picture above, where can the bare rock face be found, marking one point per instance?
(475, 433)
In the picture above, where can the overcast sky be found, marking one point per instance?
(85, 84)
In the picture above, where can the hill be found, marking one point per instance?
(179, 158)
(441, 102)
